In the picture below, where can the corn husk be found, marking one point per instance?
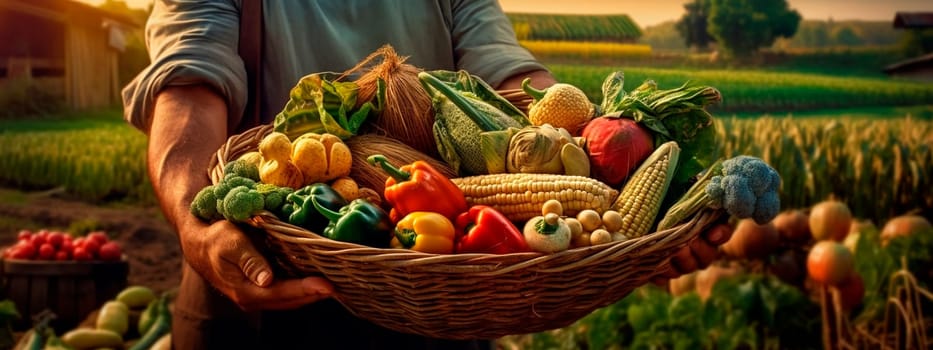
(407, 113)
(397, 152)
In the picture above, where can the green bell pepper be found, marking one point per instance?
(301, 211)
(359, 222)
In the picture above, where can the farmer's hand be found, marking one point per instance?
(227, 259)
(697, 254)
(189, 123)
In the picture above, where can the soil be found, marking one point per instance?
(148, 241)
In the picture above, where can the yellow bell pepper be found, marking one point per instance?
(424, 231)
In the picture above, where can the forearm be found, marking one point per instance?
(189, 124)
(539, 79)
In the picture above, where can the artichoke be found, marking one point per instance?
(547, 150)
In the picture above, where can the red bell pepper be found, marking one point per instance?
(484, 229)
(419, 187)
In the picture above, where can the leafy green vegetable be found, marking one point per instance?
(319, 103)
(473, 86)
(672, 115)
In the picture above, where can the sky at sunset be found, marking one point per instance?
(650, 12)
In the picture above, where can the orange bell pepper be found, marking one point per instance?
(425, 231)
(420, 187)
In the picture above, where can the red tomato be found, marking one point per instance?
(38, 239)
(46, 251)
(24, 235)
(91, 247)
(79, 242)
(56, 239)
(67, 247)
(110, 251)
(24, 251)
(81, 255)
(62, 255)
(98, 236)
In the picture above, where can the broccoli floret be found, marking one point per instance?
(204, 205)
(745, 186)
(229, 182)
(242, 168)
(241, 203)
(738, 197)
(767, 207)
(273, 195)
(761, 177)
(715, 192)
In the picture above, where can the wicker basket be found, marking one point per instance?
(466, 296)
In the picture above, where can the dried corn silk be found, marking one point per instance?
(407, 114)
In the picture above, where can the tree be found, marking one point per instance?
(847, 36)
(692, 26)
(741, 27)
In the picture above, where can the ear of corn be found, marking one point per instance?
(520, 196)
(642, 194)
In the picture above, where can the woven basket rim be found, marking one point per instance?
(653, 241)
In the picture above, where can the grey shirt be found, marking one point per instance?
(195, 42)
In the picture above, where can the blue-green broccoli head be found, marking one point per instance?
(748, 188)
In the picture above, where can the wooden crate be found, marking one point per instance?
(70, 289)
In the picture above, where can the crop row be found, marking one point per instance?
(107, 161)
(762, 91)
(574, 27)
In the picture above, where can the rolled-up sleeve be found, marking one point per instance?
(485, 42)
(189, 42)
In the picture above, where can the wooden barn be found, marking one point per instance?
(67, 49)
(916, 68)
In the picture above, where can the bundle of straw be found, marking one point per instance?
(407, 114)
(397, 152)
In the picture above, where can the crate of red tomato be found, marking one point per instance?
(66, 274)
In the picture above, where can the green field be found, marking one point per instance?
(762, 91)
(95, 158)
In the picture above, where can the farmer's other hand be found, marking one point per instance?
(697, 254)
(228, 260)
